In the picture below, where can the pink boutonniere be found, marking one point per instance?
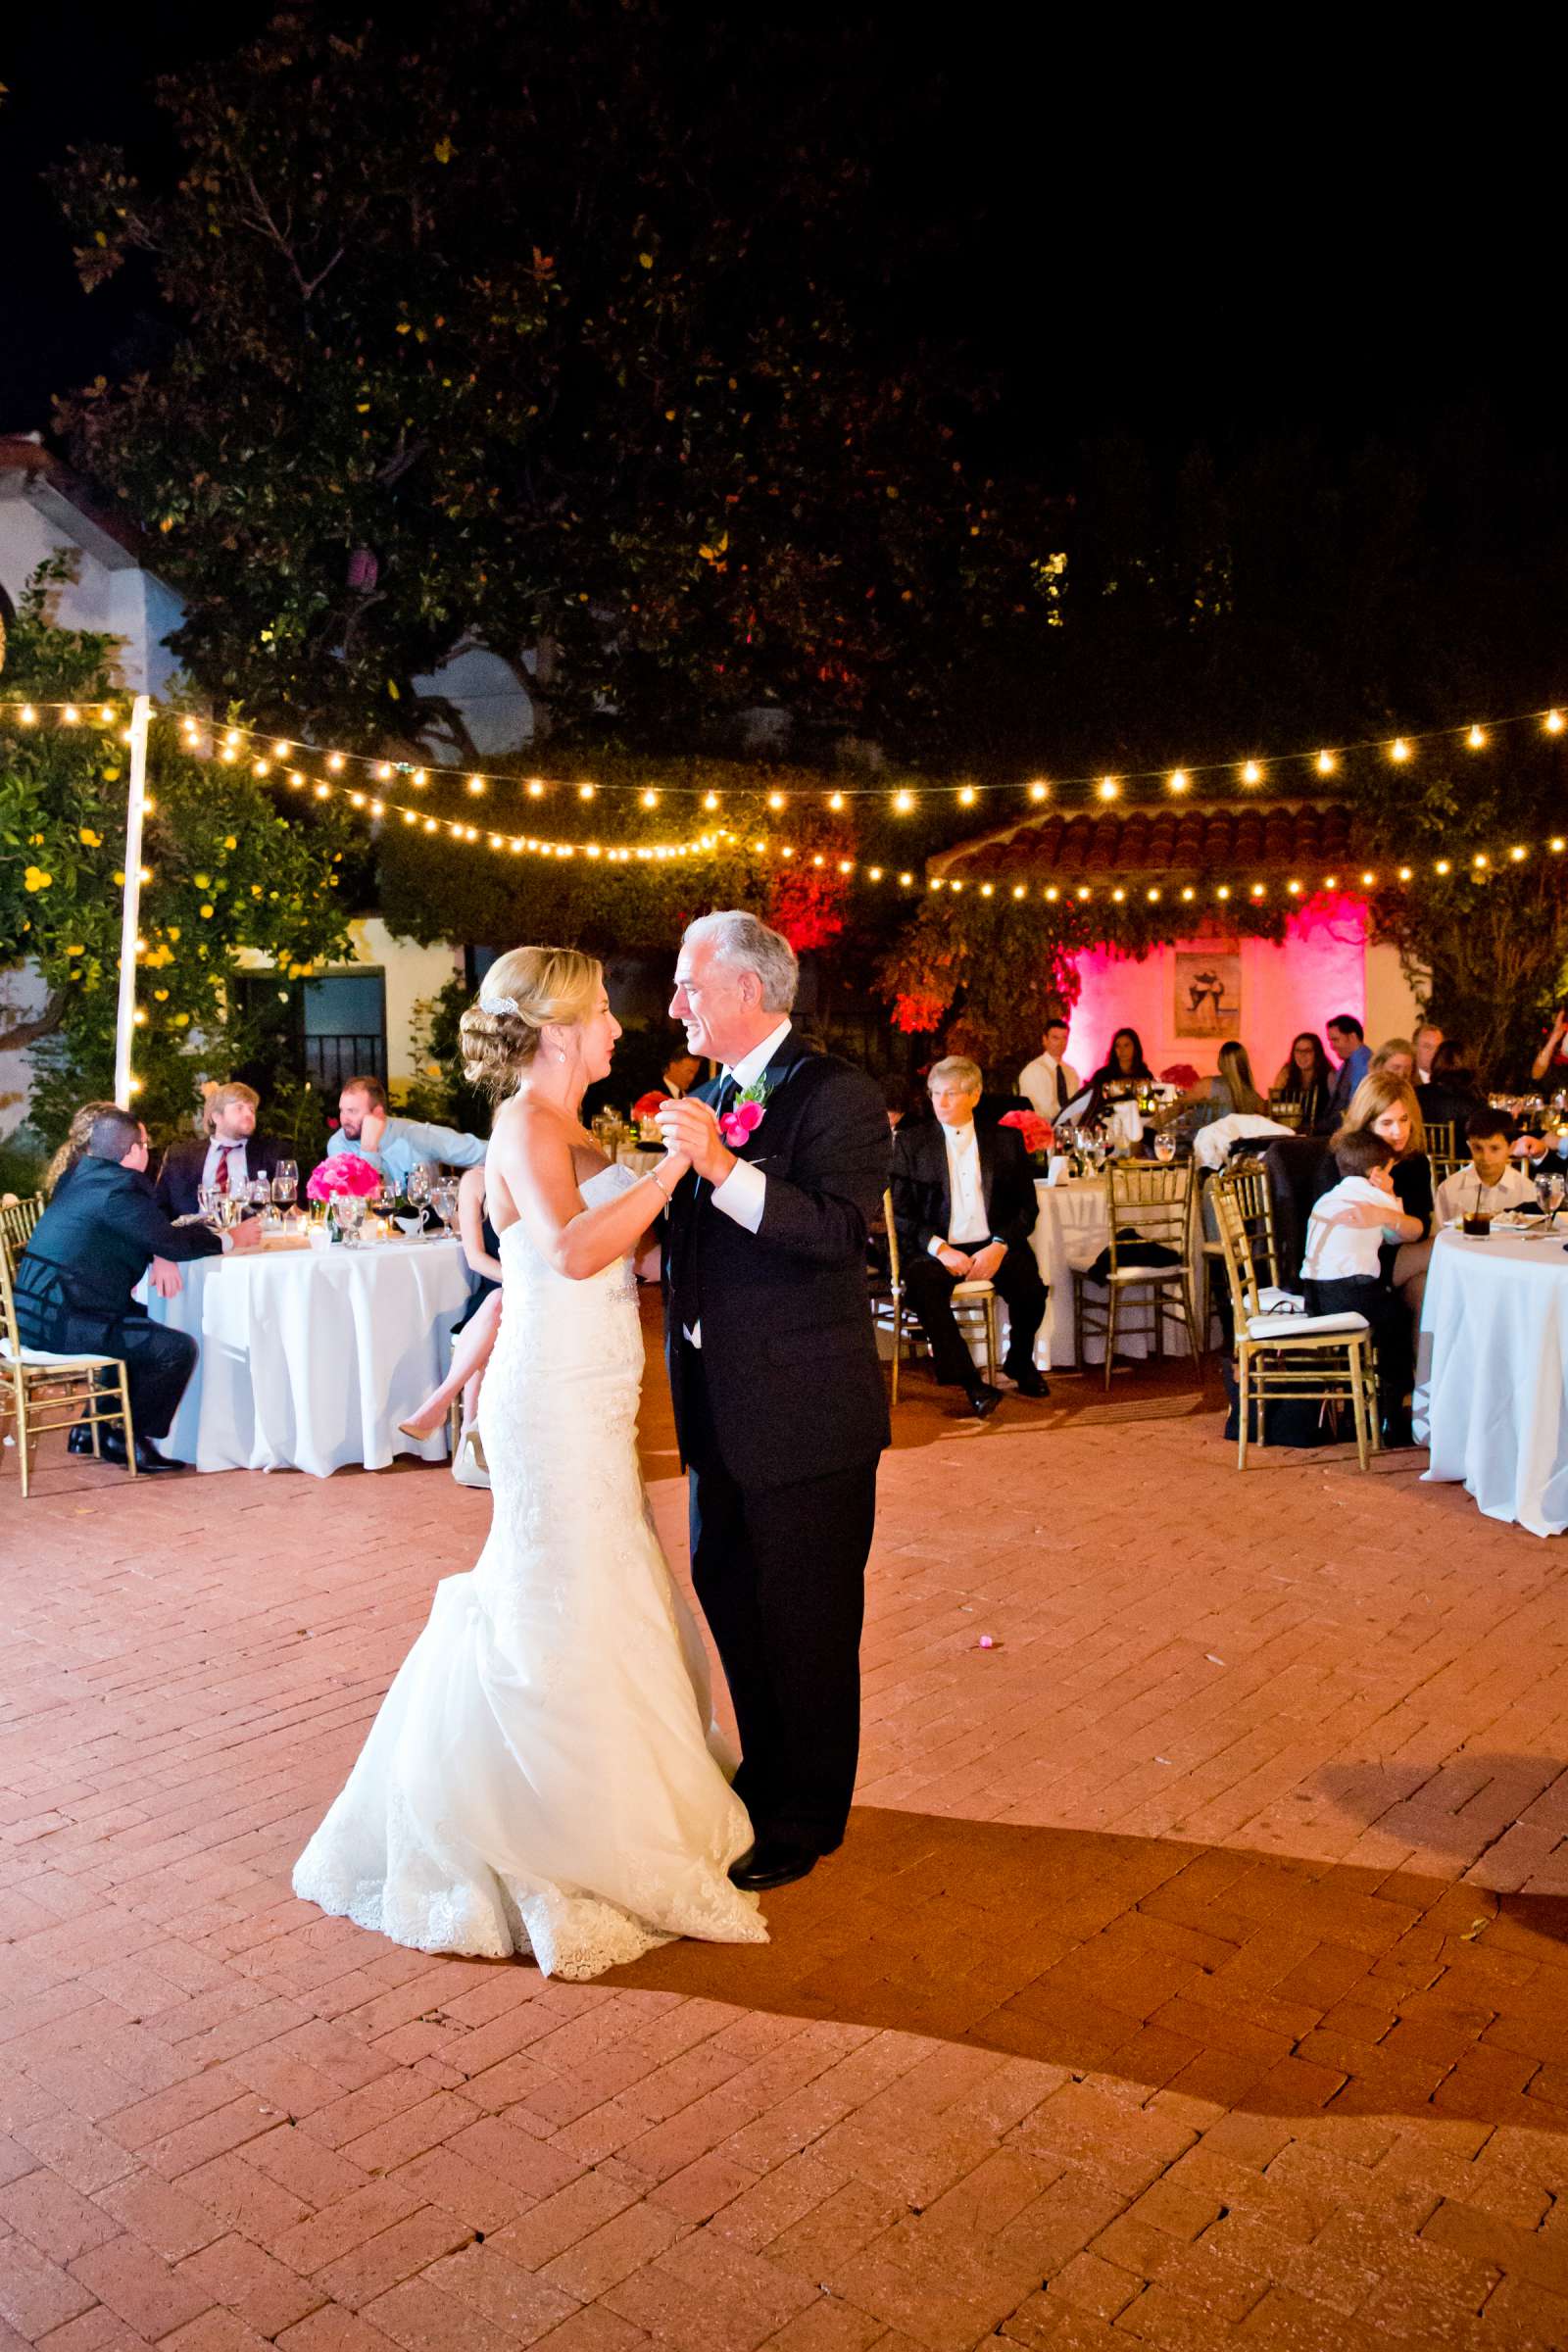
(745, 1115)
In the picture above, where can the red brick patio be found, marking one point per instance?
(1196, 1973)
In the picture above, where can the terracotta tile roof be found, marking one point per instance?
(1271, 836)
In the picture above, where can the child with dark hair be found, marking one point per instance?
(1494, 1181)
(1341, 1274)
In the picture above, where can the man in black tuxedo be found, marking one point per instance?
(779, 1401)
(86, 1256)
(230, 1157)
(964, 1203)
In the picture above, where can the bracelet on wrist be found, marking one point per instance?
(652, 1179)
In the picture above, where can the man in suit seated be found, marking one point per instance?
(963, 1203)
(75, 1282)
(228, 1158)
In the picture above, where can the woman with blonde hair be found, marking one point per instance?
(545, 1775)
(161, 1272)
(1397, 1055)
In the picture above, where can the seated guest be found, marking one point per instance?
(79, 1135)
(1550, 1065)
(1308, 1078)
(86, 1256)
(1230, 1093)
(1349, 1228)
(1494, 1180)
(1453, 1091)
(680, 1073)
(1397, 1055)
(1347, 1041)
(1119, 1075)
(1428, 1037)
(963, 1203)
(474, 1339)
(1049, 1082)
(230, 1160)
(394, 1144)
(1388, 1106)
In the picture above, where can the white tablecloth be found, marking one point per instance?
(1072, 1228)
(1493, 1374)
(310, 1358)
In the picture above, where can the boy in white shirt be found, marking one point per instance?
(1340, 1272)
(1493, 1181)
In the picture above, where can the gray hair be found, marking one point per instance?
(744, 944)
(956, 1070)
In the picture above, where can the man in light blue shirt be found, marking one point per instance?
(396, 1146)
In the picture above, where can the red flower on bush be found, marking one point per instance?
(1038, 1134)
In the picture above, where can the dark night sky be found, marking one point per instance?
(1185, 245)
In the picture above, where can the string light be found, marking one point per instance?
(1251, 773)
(1109, 788)
(902, 802)
(1325, 764)
(1477, 738)
(1554, 723)
(1179, 780)
(1398, 749)
(835, 801)
(1040, 790)
(967, 796)
(476, 784)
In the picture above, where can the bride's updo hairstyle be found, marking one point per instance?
(525, 991)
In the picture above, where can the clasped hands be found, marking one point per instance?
(981, 1265)
(691, 1137)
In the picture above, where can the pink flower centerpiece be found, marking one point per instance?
(1037, 1134)
(346, 1173)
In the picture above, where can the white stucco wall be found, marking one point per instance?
(132, 605)
(412, 974)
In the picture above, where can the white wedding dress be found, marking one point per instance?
(545, 1773)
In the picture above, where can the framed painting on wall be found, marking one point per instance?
(1207, 993)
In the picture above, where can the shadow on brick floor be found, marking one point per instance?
(1277, 1986)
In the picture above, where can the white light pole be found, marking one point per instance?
(131, 919)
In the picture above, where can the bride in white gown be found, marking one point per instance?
(545, 1775)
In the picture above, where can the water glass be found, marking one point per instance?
(418, 1184)
(1165, 1146)
(209, 1202)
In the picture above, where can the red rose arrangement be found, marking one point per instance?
(649, 1106)
(346, 1173)
(1180, 1073)
(1038, 1134)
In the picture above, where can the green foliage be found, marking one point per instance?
(440, 1093)
(566, 327)
(1486, 947)
(230, 881)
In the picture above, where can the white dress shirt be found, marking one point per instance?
(743, 1194)
(1051, 1084)
(1463, 1193)
(1347, 1229)
(966, 1190)
(239, 1175)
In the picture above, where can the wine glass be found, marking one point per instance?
(349, 1212)
(209, 1202)
(419, 1183)
(444, 1200)
(285, 1183)
(1165, 1145)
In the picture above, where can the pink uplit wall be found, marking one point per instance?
(1318, 969)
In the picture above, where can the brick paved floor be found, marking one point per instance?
(1196, 1973)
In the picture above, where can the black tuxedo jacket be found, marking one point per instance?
(789, 1355)
(92, 1246)
(181, 1176)
(922, 1202)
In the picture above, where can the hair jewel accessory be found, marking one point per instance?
(497, 1004)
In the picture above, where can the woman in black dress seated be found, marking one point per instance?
(1307, 1079)
(1119, 1075)
(1391, 1109)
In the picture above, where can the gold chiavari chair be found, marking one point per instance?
(1156, 1200)
(1279, 1353)
(969, 1300)
(41, 1390)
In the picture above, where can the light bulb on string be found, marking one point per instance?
(1040, 790)
(335, 761)
(902, 802)
(1178, 781)
(536, 790)
(835, 801)
(476, 784)
(649, 799)
(710, 801)
(1476, 738)
(1109, 788)
(1554, 723)
(1398, 749)
(585, 792)
(966, 796)
(1251, 772)
(1326, 764)
(775, 801)
(281, 751)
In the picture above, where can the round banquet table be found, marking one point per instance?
(311, 1357)
(1493, 1374)
(1072, 1227)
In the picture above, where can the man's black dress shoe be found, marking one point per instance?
(773, 1862)
(1026, 1380)
(149, 1461)
(79, 1437)
(984, 1400)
